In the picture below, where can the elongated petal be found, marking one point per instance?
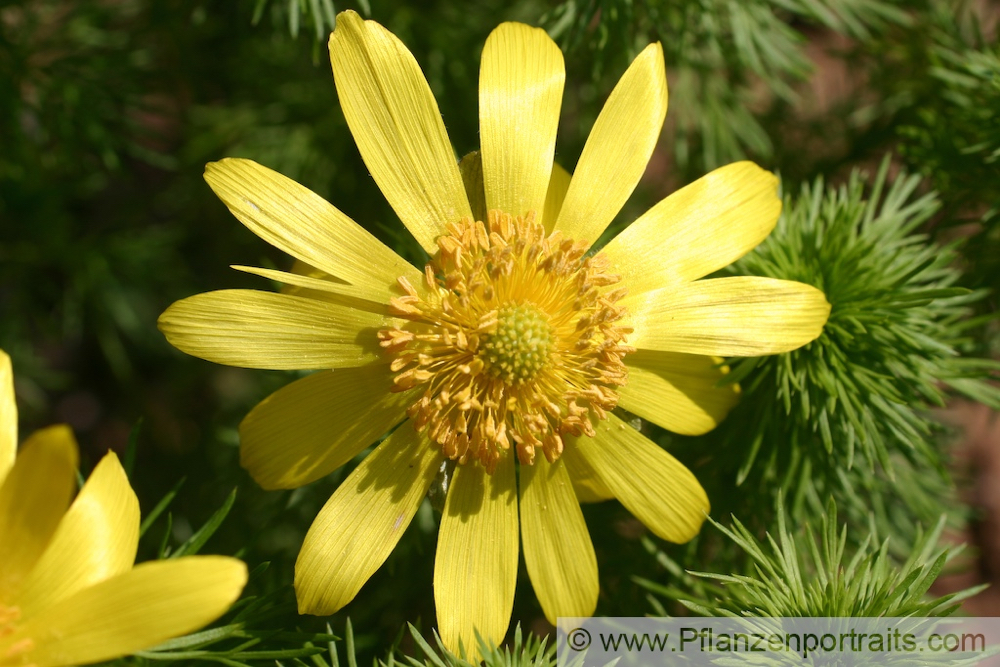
(649, 482)
(33, 498)
(274, 331)
(677, 391)
(96, 539)
(699, 229)
(397, 126)
(728, 317)
(588, 486)
(521, 81)
(475, 569)
(360, 525)
(555, 196)
(132, 611)
(315, 425)
(618, 148)
(296, 220)
(557, 547)
(321, 288)
(307, 281)
(8, 417)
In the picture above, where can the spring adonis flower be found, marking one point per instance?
(69, 593)
(513, 345)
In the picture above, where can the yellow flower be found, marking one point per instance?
(511, 347)
(69, 593)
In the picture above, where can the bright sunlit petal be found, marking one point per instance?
(558, 552)
(520, 94)
(654, 486)
(96, 539)
(8, 417)
(618, 148)
(729, 317)
(475, 569)
(153, 602)
(33, 498)
(397, 127)
(360, 525)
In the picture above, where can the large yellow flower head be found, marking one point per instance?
(69, 593)
(513, 345)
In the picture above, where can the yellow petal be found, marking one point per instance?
(136, 610)
(699, 229)
(557, 547)
(274, 331)
(397, 126)
(471, 167)
(8, 417)
(96, 540)
(728, 317)
(618, 148)
(588, 486)
(360, 525)
(521, 81)
(307, 281)
(555, 196)
(296, 220)
(321, 288)
(677, 391)
(33, 498)
(649, 482)
(315, 425)
(475, 568)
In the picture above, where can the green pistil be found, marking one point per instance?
(520, 346)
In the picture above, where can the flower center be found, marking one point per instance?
(513, 340)
(521, 345)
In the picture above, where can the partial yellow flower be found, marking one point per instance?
(513, 345)
(69, 593)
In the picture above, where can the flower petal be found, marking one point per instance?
(471, 167)
(588, 486)
(618, 148)
(728, 317)
(132, 611)
(298, 221)
(8, 417)
(320, 288)
(677, 391)
(360, 525)
(397, 127)
(307, 281)
(699, 229)
(475, 569)
(555, 196)
(313, 426)
(521, 81)
(557, 547)
(649, 482)
(256, 329)
(33, 498)
(96, 539)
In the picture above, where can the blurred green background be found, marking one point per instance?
(109, 110)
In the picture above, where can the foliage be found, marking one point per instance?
(956, 141)
(809, 574)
